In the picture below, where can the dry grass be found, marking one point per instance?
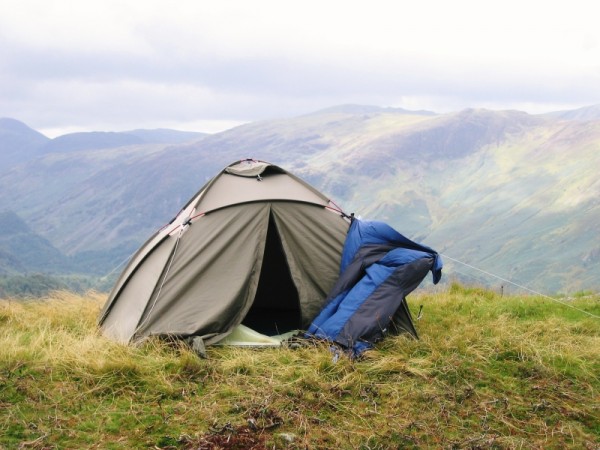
(488, 372)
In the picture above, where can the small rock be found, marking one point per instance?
(287, 437)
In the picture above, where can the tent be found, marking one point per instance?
(379, 268)
(256, 246)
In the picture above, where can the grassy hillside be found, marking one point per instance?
(488, 372)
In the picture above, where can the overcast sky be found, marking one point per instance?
(112, 65)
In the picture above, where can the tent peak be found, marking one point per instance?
(251, 168)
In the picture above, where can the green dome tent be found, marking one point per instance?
(255, 246)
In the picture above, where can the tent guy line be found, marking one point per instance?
(126, 259)
(521, 286)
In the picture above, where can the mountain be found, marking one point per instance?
(22, 250)
(94, 140)
(18, 142)
(368, 109)
(500, 192)
(585, 113)
(90, 141)
(166, 136)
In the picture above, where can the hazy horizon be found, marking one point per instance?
(208, 66)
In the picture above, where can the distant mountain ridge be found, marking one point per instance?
(95, 140)
(585, 113)
(508, 192)
(20, 144)
(369, 109)
(92, 140)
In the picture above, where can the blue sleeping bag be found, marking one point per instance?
(379, 268)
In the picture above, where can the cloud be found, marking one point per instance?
(136, 64)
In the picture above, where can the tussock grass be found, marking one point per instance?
(487, 372)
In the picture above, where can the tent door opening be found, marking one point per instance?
(276, 306)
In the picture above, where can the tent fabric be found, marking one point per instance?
(379, 268)
(254, 242)
(244, 336)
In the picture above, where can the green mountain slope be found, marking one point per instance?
(509, 193)
(22, 250)
(530, 210)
